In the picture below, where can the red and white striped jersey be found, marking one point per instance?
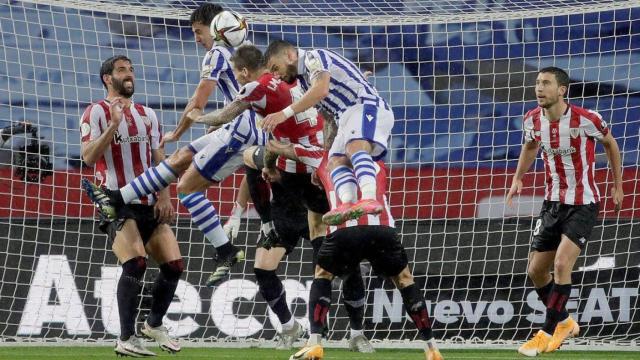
(385, 218)
(269, 95)
(129, 153)
(568, 150)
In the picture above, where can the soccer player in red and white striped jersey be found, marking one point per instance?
(567, 135)
(371, 237)
(122, 139)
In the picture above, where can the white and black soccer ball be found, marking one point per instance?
(229, 28)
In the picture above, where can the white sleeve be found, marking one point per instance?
(90, 123)
(213, 64)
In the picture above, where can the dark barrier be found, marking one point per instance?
(59, 279)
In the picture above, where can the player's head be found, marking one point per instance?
(281, 58)
(248, 63)
(200, 20)
(116, 74)
(552, 84)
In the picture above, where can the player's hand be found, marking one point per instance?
(617, 194)
(116, 107)
(232, 227)
(194, 114)
(169, 137)
(270, 175)
(163, 210)
(367, 73)
(516, 188)
(269, 123)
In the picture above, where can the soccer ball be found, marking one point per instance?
(229, 28)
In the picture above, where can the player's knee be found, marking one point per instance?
(322, 273)
(135, 267)
(180, 160)
(172, 270)
(247, 157)
(403, 279)
(561, 265)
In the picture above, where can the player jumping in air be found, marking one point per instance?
(301, 136)
(567, 135)
(121, 139)
(364, 121)
(208, 159)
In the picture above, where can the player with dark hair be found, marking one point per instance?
(371, 237)
(567, 135)
(208, 159)
(363, 117)
(295, 199)
(122, 139)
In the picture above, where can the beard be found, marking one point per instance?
(549, 102)
(120, 88)
(291, 72)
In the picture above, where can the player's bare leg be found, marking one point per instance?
(129, 249)
(565, 326)
(191, 190)
(416, 307)
(558, 324)
(152, 180)
(163, 247)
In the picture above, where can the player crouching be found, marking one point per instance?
(373, 238)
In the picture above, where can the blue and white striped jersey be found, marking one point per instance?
(348, 85)
(216, 66)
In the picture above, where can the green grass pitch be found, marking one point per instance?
(77, 352)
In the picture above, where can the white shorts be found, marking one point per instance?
(219, 153)
(364, 122)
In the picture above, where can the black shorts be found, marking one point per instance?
(343, 250)
(574, 221)
(143, 216)
(289, 218)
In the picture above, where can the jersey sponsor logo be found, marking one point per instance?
(582, 240)
(369, 117)
(119, 139)
(558, 151)
(229, 149)
(85, 129)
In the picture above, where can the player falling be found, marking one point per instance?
(295, 197)
(364, 121)
(567, 135)
(210, 158)
(122, 138)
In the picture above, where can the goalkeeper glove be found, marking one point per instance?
(232, 226)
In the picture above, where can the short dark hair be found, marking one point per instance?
(561, 76)
(247, 56)
(205, 13)
(276, 47)
(109, 64)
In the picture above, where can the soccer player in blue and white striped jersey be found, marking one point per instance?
(364, 119)
(215, 155)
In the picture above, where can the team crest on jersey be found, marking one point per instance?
(85, 129)
(575, 132)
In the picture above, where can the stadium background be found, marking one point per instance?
(459, 111)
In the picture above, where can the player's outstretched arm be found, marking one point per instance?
(527, 157)
(319, 90)
(615, 162)
(94, 149)
(220, 117)
(193, 109)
